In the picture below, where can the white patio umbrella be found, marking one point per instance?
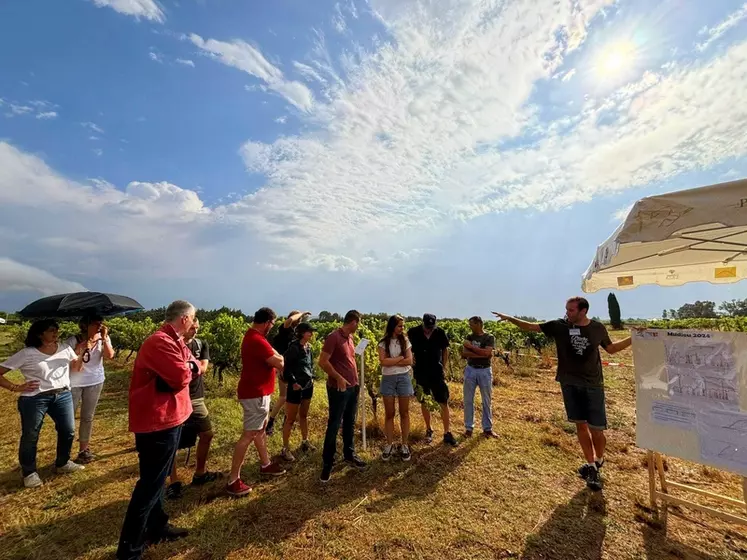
(696, 235)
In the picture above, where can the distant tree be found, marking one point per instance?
(527, 318)
(614, 309)
(664, 314)
(735, 307)
(697, 310)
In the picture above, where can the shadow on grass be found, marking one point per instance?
(574, 530)
(267, 518)
(660, 547)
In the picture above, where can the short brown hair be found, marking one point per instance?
(263, 315)
(351, 316)
(477, 320)
(581, 303)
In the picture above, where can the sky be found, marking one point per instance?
(446, 156)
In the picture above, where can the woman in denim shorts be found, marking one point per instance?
(395, 356)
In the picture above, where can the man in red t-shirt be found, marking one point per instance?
(258, 362)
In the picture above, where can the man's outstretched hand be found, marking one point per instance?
(500, 316)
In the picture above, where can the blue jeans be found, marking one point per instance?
(145, 516)
(473, 378)
(59, 406)
(343, 407)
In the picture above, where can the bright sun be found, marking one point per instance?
(615, 60)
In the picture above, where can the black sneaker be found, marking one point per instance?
(208, 476)
(355, 461)
(594, 480)
(326, 473)
(168, 533)
(449, 439)
(583, 471)
(174, 491)
(429, 436)
(84, 457)
(270, 429)
(599, 464)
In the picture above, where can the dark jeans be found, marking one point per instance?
(343, 407)
(59, 406)
(145, 516)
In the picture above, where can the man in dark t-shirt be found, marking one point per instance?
(578, 339)
(478, 350)
(430, 352)
(198, 424)
(280, 342)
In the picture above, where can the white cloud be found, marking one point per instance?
(47, 115)
(568, 75)
(93, 127)
(19, 109)
(146, 9)
(98, 152)
(620, 214)
(717, 31)
(281, 120)
(155, 57)
(185, 62)
(249, 59)
(15, 276)
(115, 231)
(412, 136)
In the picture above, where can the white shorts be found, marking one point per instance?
(256, 412)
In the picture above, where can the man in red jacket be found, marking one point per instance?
(159, 405)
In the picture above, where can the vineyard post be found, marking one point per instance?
(361, 351)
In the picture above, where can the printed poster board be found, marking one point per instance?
(691, 395)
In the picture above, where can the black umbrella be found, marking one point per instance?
(79, 304)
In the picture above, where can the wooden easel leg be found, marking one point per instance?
(660, 468)
(651, 479)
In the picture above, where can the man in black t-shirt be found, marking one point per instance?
(578, 339)
(430, 351)
(198, 425)
(280, 342)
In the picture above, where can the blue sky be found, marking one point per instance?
(455, 156)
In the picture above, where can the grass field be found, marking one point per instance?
(516, 497)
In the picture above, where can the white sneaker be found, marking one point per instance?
(287, 455)
(69, 467)
(32, 480)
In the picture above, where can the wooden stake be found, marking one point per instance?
(720, 514)
(651, 480)
(660, 468)
(706, 493)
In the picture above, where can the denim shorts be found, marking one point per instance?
(397, 385)
(585, 405)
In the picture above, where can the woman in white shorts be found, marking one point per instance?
(395, 356)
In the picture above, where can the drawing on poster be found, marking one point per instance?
(723, 439)
(702, 371)
(677, 415)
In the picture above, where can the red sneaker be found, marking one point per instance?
(273, 469)
(237, 488)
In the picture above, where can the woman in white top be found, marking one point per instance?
(45, 365)
(86, 386)
(395, 356)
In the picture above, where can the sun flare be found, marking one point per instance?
(616, 59)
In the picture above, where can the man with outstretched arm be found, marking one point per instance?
(338, 362)
(578, 339)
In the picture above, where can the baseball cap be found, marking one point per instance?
(429, 320)
(304, 328)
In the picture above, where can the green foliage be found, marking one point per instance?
(735, 307)
(614, 310)
(697, 310)
(224, 335)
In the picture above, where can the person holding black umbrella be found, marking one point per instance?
(87, 385)
(159, 405)
(46, 365)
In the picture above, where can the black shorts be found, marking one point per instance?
(585, 405)
(295, 397)
(433, 385)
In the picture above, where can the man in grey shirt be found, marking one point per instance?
(478, 350)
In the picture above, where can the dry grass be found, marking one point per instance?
(516, 497)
